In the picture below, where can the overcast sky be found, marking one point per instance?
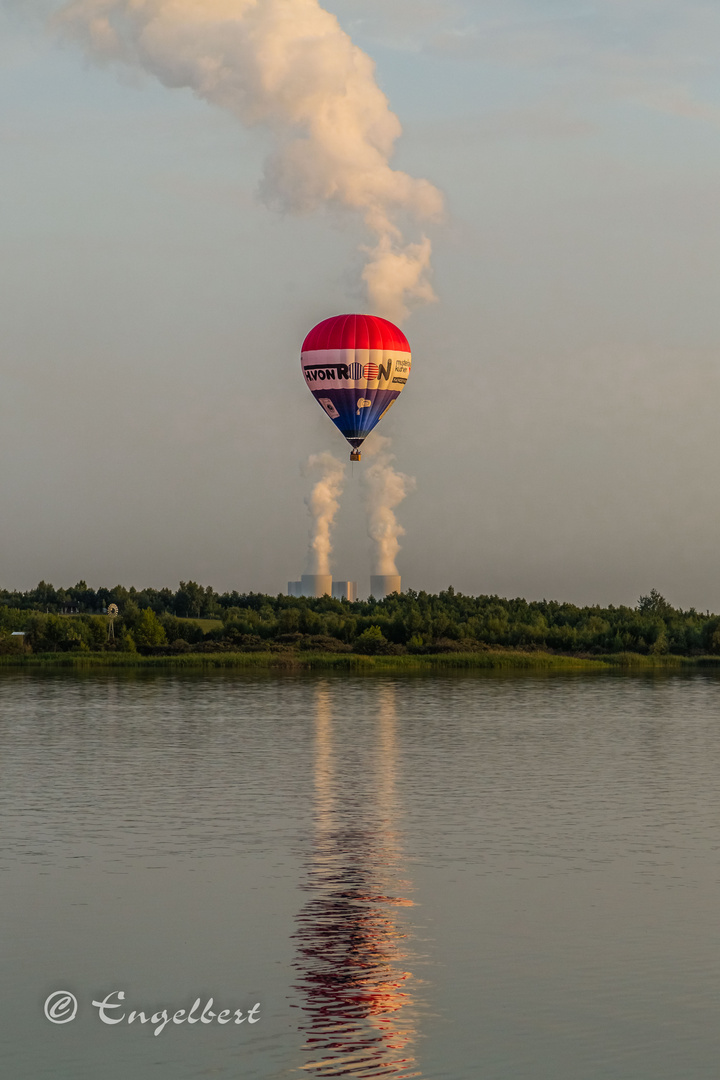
(563, 413)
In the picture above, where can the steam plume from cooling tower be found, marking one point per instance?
(385, 489)
(323, 503)
(288, 65)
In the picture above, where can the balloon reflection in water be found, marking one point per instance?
(352, 947)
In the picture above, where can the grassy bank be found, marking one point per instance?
(307, 661)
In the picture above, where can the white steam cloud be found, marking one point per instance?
(323, 504)
(385, 489)
(286, 64)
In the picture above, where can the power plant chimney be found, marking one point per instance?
(381, 585)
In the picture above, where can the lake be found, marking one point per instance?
(454, 877)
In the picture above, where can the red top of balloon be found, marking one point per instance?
(355, 332)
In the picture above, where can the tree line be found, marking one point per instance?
(160, 620)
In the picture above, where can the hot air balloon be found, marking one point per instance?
(355, 366)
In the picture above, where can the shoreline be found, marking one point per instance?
(355, 662)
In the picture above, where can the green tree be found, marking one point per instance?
(289, 621)
(131, 614)
(189, 600)
(178, 629)
(125, 641)
(654, 604)
(148, 630)
(371, 641)
(45, 595)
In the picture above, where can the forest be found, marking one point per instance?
(198, 619)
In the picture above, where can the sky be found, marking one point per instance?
(561, 421)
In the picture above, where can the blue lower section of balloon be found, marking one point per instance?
(355, 412)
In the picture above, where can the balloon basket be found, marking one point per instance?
(355, 455)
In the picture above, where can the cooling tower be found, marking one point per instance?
(381, 585)
(294, 588)
(344, 590)
(316, 584)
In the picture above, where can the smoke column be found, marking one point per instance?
(323, 503)
(385, 488)
(288, 65)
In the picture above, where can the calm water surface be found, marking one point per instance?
(449, 878)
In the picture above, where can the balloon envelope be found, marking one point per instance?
(355, 367)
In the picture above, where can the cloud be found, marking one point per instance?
(288, 66)
(671, 99)
(400, 24)
(543, 120)
(385, 488)
(323, 504)
(656, 54)
(19, 22)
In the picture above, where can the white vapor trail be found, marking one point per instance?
(288, 65)
(385, 489)
(323, 503)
